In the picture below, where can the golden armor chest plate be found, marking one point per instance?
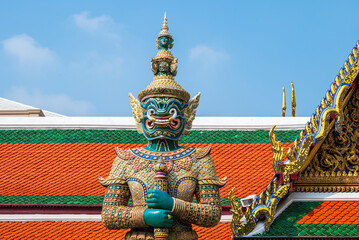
(182, 174)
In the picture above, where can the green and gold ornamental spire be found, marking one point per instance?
(164, 68)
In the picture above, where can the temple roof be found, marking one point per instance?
(81, 155)
(322, 164)
(86, 230)
(55, 170)
(331, 218)
(50, 166)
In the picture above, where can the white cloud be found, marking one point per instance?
(94, 62)
(83, 21)
(207, 57)
(58, 103)
(27, 51)
(102, 26)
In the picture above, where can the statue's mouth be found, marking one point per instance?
(160, 121)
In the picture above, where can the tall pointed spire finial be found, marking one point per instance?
(164, 24)
(164, 33)
(294, 103)
(284, 105)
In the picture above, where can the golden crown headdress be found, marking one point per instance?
(164, 68)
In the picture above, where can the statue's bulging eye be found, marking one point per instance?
(151, 111)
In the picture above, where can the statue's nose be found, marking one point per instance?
(161, 106)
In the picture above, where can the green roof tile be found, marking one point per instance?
(131, 136)
(71, 200)
(286, 223)
(68, 200)
(328, 230)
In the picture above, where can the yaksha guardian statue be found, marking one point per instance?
(163, 177)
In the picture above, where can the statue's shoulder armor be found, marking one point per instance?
(119, 168)
(207, 172)
(125, 154)
(202, 152)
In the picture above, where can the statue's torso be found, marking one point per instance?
(187, 168)
(182, 173)
(184, 170)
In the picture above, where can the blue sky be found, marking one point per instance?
(81, 58)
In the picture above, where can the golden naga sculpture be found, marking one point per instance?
(162, 178)
(330, 114)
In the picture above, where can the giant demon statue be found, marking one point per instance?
(163, 177)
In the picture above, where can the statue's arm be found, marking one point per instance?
(115, 212)
(206, 213)
(208, 210)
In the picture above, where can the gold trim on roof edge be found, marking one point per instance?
(335, 165)
(314, 132)
(318, 127)
(265, 204)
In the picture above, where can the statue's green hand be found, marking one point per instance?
(158, 217)
(159, 199)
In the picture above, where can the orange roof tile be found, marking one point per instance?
(60, 169)
(219, 232)
(333, 213)
(88, 230)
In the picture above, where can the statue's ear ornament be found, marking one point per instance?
(137, 112)
(190, 113)
(173, 67)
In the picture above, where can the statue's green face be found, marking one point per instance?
(163, 118)
(164, 42)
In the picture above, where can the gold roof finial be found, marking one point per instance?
(294, 103)
(284, 105)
